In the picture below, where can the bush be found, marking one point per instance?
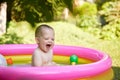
(110, 11)
(87, 16)
(86, 9)
(22, 29)
(20, 32)
(86, 21)
(10, 38)
(111, 31)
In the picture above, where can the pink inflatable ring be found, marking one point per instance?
(68, 72)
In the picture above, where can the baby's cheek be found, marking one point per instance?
(52, 45)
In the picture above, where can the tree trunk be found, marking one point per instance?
(3, 10)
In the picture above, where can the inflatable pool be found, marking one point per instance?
(92, 64)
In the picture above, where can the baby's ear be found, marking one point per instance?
(37, 39)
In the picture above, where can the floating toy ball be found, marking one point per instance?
(2, 61)
(73, 59)
(9, 61)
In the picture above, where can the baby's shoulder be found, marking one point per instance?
(36, 51)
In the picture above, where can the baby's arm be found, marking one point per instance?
(36, 59)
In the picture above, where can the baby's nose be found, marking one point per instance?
(50, 40)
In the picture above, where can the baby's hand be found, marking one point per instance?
(55, 64)
(49, 64)
(52, 64)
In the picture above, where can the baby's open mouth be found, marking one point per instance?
(48, 45)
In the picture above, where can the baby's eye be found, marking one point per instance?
(53, 39)
(46, 38)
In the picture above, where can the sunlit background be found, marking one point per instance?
(88, 23)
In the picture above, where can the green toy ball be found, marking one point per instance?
(73, 59)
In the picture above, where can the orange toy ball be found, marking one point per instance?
(9, 61)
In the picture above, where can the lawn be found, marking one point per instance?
(69, 34)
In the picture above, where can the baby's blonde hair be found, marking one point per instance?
(39, 29)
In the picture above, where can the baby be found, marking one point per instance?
(43, 55)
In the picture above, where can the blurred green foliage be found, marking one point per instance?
(110, 11)
(86, 9)
(32, 10)
(35, 11)
(104, 23)
(87, 18)
(18, 32)
(86, 21)
(10, 38)
(87, 15)
(111, 31)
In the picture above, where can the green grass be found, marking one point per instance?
(69, 34)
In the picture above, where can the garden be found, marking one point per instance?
(93, 25)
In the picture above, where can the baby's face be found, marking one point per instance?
(46, 41)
